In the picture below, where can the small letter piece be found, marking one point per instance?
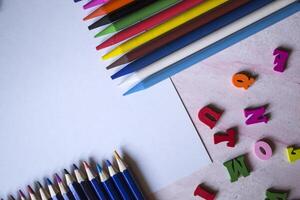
(293, 154)
(230, 137)
(262, 145)
(276, 195)
(280, 60)
(242, 80)
(237, 167)
(203, 193)
(256, 115)
(209, 116)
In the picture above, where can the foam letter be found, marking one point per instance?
(256, 115)
(293, 154)
(242, 80)
(280, 60)
(237, 167)
(209, 116)
(203, 193)
(276, 195)
(262, 145)
(229, 137)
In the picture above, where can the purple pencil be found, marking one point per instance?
(93, 3)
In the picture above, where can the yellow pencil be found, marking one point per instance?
(163, 28)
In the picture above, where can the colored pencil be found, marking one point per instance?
(173, 35)
(137, 16)
(67, 195)
(53, 193)
(128, 178)
(108, 184)
(74, 187)
(119, 182)
(93, 3)
(120, 13)
(44, 194)
(22, 195)
(163, 28)
(108, 8)
(149, 23)
(31, 193)
(98, 188)
(220, 45)
(206, 41)
(85, 185)
(76, 1)
(11, 197)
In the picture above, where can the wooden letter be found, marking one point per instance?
(293, 154)
(230, 137)
(262, 145)
(256, 115)
(241, 80)
(280, 60)
(276, 195)
(203, 193)
(209, 116)
(237, 167)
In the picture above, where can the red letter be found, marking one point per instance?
(229, 136)
(209, 116)
(203, 193)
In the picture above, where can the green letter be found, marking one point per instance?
(276, 195)
(237, 167)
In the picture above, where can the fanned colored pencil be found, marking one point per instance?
(55, 195)
(98, 188)
(67, 195)
(137, 16)
(120, 13)
(31, 193)
(22, 195)
(149, 23)
(74, 187)
(44, 194)
(108, 8)
(11, 197)
(129, 178)
(108, 184)
(93, 3)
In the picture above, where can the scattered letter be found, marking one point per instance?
(209, 116)
(276, 195)
(293, 154)
(256, 115)
(241, 80)
(203, 193)
(230, 137)
(237, 167)
(280, 60)
(263, 150)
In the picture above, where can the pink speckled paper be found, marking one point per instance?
(210, 82)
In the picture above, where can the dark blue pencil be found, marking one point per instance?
(108, 184)
(74, 187)
(98, 188)
(129, 178)
(65, 193)
(22, 195)
(119, 182)
(53, 193)
(191, 37)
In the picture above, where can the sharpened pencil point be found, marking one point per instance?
(30, 190)
(39, 184)
(99, 168)
(21, 193)
(57, 178)
(108, 30)
(108, 163)
(66, 171)
(75, 167)
(11, 197)
(49, 182)
(86, 165)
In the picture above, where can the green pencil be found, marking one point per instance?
(137, 16)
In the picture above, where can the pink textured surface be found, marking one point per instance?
(209, 82)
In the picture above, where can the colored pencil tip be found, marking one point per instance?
(49, 182)
(117, 156)
(108, 30)
(99, 168)
(21, 193)
(66, 172)
(30, 190)
(57, 178)
(75, 167)
(39, 184)
(11, 197)
(108, 163)
(102, 46)
(86, 165)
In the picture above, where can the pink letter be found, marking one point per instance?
(262, 145)
(209, 116)
(256, 115)
(203, 193)
(229, 136)
(280, 60)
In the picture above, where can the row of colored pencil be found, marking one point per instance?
(118, 185)
(164, 37)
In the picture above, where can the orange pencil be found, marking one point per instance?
(107, 8)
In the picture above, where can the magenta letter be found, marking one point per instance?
(256, 115)
(280, 60)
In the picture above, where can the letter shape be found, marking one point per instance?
(241, 80)
(259, 145)
(280, 60)
(203, 193)
(276, 195)
(237, 167)
(229, 137)
(293, 154)
(209, 116)
(256, 115)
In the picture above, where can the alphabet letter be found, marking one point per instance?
(203, 193)
(293, 154)
(229, 136)
(237, 167)
(256, 115)
(280, 60)
(209, 116)
(276, 195)
(262, 145)
(241, 80)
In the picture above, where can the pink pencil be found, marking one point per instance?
(93, 3)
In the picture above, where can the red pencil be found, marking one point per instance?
(149, 23)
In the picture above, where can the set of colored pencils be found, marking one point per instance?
(163, 37)
(116, 185)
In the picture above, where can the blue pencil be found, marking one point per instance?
(108, 184)
(22, 195)
(129, 178)
(119, 182)
(44, 194)
(65, 193)
(216, 47)
(98, 188)
(53, 193)
(191, 37)
(74, 187)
